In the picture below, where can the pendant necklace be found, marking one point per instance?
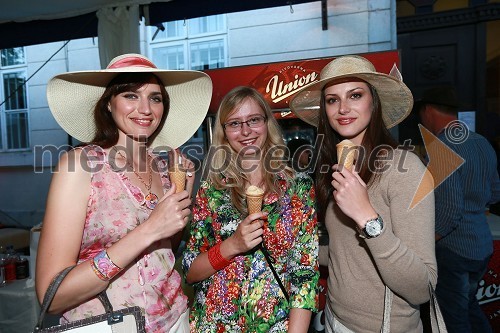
(150, 199)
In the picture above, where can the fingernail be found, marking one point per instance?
(189, 174)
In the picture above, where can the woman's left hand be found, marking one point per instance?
(351, 195)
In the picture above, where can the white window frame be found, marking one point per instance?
(186, 39)
(16, 65)
(209, 39)
(152, 30)
(187, 47)
(212, 33)
(19, 68)
(174, 43)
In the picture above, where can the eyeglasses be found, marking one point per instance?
(254, 122)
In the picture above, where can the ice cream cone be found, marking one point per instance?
(346, 153)
(178, 176)
(254, 199)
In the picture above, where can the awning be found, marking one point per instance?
(35, 22)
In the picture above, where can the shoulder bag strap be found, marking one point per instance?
(270, 261)
(437, 321)
(51, 292)
(49, 295)
(103, 297)
(386, 322)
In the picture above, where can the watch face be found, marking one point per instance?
(373, 228)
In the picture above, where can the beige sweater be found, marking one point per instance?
(402, 257)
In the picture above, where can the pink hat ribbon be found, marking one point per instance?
(132, 62)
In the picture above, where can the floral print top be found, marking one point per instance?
(116, 207)
(244, 296)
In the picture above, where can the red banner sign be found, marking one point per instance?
(488, 293)
(277, 82)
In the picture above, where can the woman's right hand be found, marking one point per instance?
(248, 234)
(170, 215)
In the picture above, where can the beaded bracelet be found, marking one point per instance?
(103, 267)
(216, 259)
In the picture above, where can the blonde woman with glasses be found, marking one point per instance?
(236, 289)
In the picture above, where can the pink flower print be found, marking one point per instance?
(170, 256)
(119, 223)
(98, 184)
(163, 302)
(153, 274)
(91, 251)
(95, 233)
(116, 204)
(157, 309)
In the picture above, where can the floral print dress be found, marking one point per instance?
(116, 207)
(244, 296)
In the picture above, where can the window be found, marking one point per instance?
(14, 124)
(197, 44)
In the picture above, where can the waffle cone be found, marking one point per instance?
(254, 203)
(178, 177)
(346, 153)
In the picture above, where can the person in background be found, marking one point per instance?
(464, 242)
(235, 290)
(380, 255)
(112, 210)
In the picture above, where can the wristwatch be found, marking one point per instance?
(373, 228)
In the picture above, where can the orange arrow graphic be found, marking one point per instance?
(443, 161)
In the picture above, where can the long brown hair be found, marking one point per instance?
(376, 137)
(106, 131)
(231, 175)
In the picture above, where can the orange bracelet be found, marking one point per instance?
(216, 259)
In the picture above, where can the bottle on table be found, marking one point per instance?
(2, 266)
(2, 272)
(10, 263)
(22, 268)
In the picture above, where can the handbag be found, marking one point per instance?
(128, 320)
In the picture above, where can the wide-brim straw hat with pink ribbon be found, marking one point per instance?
(395, 97)
(72, 98)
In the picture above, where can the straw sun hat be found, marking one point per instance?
(72, 98)
(395, 97)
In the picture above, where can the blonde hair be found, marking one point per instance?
(231, 175)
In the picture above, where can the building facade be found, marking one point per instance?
(31, 139)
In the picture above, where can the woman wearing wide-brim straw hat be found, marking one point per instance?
(111, 208)
(381, 237)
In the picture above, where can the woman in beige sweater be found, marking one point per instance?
(381, 250)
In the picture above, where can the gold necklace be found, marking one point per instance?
(150, 199)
